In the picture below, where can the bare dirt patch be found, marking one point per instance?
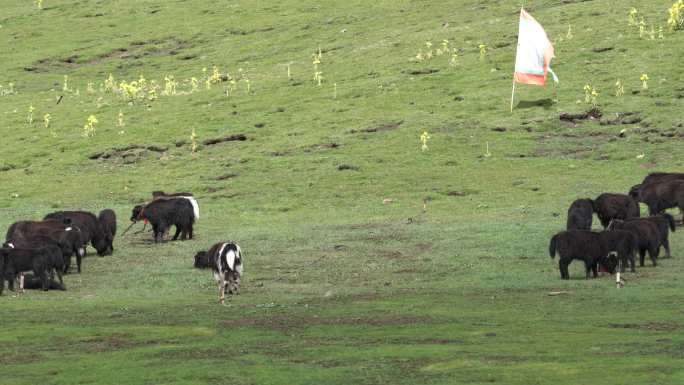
(623, 118)
(136, 50)
(575, 119)
(652, 326)
(423, 71)
(223, 139)
(130, 154)
(391, 126)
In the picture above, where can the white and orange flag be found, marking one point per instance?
(534, 52)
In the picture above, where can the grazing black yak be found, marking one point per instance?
(107, 218)
(226, 260)
(661, 196)
(587, 246)
(56, 251)
(580, 215)
(69, 237)
(182, 195)
(34, 283)
(665, 223)
(164, 213)
(17, 261)
(647, 234)
(90, 228)
(202, 260)
(657, 177)
(615, 206)
(622, 243)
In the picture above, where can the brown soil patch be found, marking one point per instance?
(287, 324)
(19, 359)
(226, 176)
(136, 50)
(223, 139)
(423, 71)
(130, 154)
(574, 119)
(623, 118)
(652, 326)
(322, 146)
(380, 128)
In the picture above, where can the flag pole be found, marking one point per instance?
(513, 90)
(513, 93)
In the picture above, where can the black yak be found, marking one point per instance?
(107, 218)
(615, 206)
(69, 237)
(592, 248)
(90, 228)
(647, 234)
(665, 223)
(164, 213)
(580, 215)
(661, 196)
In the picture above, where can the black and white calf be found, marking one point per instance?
(226, 262)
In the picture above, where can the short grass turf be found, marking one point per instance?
(368, 260)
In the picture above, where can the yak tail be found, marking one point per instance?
(552, 247)
(671, 221)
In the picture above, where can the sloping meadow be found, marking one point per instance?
(368, 257)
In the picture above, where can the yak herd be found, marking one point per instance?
(46, 247)
(625, 233)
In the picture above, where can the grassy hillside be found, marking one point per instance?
(368, 260)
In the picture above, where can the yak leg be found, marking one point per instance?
(222, 289)
(653, 253)
(21, 282)
(563, 267)
(642, 255)
(666, 246)
(178, 232)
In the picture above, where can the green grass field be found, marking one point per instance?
(367, 260)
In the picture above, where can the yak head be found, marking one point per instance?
(202, 260)
(635, 192)
(610, 262)
(137, 213)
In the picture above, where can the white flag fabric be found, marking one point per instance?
(534, 53)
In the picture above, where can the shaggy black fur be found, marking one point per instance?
(577, 244)
(90, 228)
(163, 214)
(615, 206)
(660, 196)
(69, 237)
(34, 283)
(647, 234)
(40, 261)
(202, 260)
(580, 215)
(56, 251)
(587, 246)
(107, 218)
(665, 223)
(624, 244)
(657, 177)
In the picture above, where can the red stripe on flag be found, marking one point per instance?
(523, 78)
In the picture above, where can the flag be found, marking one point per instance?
(534, 52)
